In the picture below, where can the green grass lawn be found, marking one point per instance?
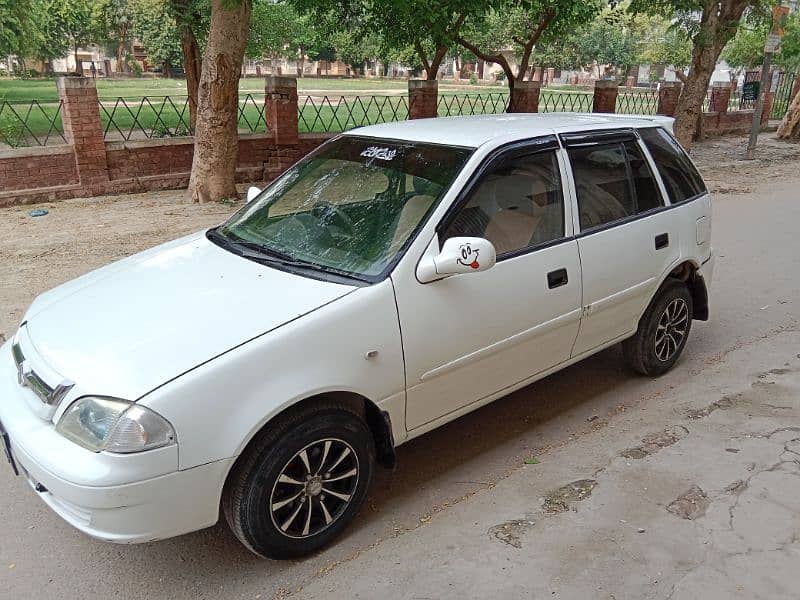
(145, 108)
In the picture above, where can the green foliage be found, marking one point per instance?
(664, 43)
(276, 30)
(14, 25)
(746, 50)
(155, 26)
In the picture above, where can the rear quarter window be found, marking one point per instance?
(680, 177)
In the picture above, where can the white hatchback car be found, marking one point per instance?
(396, 278)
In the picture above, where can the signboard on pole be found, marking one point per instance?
(750, 91)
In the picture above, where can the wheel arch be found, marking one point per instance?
(688, 271)
(378, 421)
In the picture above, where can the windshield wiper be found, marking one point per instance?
(265, 255)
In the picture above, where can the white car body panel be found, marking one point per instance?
(219, 345)
(122, 336)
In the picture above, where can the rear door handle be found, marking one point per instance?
(557, 278)
(662, 241)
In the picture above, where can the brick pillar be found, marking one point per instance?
(668, 95)
(537, 74)
(280, 108)
(423, 97)
(630, 80)
(605, 96)
(525, 97)
(720, 97)
(80, 114)
(551, 75)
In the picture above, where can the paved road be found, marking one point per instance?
(429, 523)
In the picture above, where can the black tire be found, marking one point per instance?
(651, 351)
(253, 491)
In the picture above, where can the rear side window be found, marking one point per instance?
(613, 181)
(678, 173)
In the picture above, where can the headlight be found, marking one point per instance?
(114, 425)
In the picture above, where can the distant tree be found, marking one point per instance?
(610, 39)
(428, 27)
(710, 25)
(523, 25)
(73, 18)
(14, 25)
(113, 24)
(746, 49)
(666, 43)
(155, 27)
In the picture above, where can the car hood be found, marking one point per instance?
(127, 328)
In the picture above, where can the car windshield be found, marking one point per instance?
(348, 208)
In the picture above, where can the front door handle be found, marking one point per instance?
(662, 241)
(557, 278)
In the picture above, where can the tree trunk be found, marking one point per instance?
(78, 66)
(790, 126)
(190, 51)
(718, 24)
(191, 67)
(120, 53)
(216, 142)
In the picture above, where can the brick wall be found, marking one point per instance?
(37, 168)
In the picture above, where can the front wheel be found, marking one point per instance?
(300, 485)
(663, 331)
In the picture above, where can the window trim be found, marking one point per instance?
(609, 136)
(512, 150)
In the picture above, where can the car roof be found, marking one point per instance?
(478, 130)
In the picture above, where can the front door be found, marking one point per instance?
(470, 336)
(627, 240)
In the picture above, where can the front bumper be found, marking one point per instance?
(119, 498)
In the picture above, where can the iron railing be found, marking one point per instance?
(637, 103)
(472, 104)
(30, 124)
(168, 116)
(331, 114)
(565, 101)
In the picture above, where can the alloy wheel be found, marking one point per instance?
(314, 488)
(671, 329)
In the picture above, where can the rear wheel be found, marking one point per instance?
(295, 489)
(663, 331)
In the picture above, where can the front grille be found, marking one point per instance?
(28, 378)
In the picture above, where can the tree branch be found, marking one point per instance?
(421, 53)
(544, 23)
(497, 59)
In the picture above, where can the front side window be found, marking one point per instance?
(613, 182)
(350, 207)
(518, 204)
(677, 172)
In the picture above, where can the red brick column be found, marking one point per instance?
(630, 80)
(80, 113)
(668, 95)
(551, 75)
(605, 96)
(525, 97)
(280, 108)
(720, 97)
(423, 98)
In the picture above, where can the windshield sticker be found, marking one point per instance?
(469, 256)
(379, 153)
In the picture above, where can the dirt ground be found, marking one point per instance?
(38, 253)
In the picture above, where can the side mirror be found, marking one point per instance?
(252, 193)
(458, 255)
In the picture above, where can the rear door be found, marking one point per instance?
(626, 237)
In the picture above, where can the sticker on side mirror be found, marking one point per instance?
(469, 256)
